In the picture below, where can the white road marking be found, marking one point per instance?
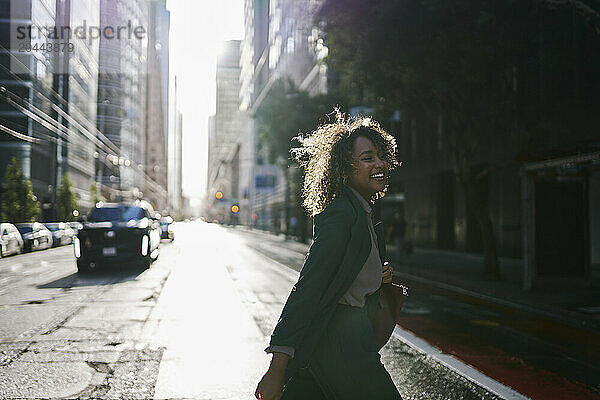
(458, 366)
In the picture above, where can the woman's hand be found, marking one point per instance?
(388, 273)
(270, 386)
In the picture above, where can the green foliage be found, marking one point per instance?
(19, 204)
(427, 57)
(94, 194)
(286, 112)
(481, 73)
(65, 200)
(474, 64)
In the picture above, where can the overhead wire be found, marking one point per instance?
(72, 106)
(105, 144)
(18, 135)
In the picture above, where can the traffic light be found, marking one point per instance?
(235, 208)
(219, 195)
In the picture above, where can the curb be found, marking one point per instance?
(457, 366)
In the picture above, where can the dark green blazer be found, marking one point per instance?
(341, 245)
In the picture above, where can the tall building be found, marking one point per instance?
(46, 116)
(254, 52)
(175, 165)
(157, 123)
(280, 42)
(123, 70)
(83, 110)
(255, 82)
(79, 85)
(296, 47)
(224, 146)
(211, 139)
(177, 192)
(174, 151)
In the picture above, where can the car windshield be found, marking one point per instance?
(25, 229)
(116, 214)
(53, 227)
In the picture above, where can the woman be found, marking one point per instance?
(323, 345)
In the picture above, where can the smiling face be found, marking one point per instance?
(370, 171)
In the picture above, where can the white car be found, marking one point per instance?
(10, 240)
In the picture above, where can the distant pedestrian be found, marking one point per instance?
(293, 223)
(324, 346)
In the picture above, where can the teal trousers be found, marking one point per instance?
(346, 364)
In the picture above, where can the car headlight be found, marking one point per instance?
(144, 245)
(142, 224)
(76, 247)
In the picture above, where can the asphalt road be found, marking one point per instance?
(194, 325)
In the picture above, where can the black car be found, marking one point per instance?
(165, 228)
(62, 233)
(117, 233)
(35, 236)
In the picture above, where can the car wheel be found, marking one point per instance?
(82, 266)
(145, 262)
(86, 267)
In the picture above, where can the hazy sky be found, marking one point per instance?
(198, 29)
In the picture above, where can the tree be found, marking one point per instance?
(66, 202)
(286, 112)
(463, 68)
(96, 197)
(19, 203)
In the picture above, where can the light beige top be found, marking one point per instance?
(368, 279)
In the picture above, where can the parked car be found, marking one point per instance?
(117, 233)
(165, 228)
(35, 236)
(62, 233)
(76, 226)
(10, 240)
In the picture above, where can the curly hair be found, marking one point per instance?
(326, 155)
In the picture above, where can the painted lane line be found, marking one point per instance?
(456, 365)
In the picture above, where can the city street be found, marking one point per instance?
(195, 324)
(164, 165)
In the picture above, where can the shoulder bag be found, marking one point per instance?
(386, 317)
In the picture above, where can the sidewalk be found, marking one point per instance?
(461, 274)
